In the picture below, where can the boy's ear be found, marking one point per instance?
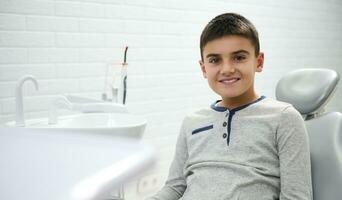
(260, 62)
(204, 72)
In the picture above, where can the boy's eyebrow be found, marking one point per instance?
(212, 55)
(233, 53)
(240, 51)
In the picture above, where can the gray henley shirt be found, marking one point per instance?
(258, 151)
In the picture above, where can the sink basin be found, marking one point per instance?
(116, 124)
(68, 165)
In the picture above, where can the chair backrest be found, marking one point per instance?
(309, 90)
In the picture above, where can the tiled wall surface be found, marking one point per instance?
(67, 44)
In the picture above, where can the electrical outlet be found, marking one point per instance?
(148, 184)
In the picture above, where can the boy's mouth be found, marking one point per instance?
(229, 80)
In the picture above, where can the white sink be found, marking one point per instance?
(115, 124)
(68, 165)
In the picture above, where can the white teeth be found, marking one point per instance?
(230, 81)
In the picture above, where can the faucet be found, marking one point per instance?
(64, 102)
(19, 114)
(59, 102)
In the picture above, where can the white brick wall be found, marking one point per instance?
(66, 44)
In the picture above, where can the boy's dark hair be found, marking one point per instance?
(230, 24)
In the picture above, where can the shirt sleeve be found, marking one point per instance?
(176, 183)
(294, 156)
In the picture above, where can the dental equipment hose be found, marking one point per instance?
(124, 65)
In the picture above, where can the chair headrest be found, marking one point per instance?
(308, 90)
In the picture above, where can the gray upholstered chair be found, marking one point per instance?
(309, 90)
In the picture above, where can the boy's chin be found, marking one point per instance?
(229, 96)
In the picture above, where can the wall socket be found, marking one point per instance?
(148, 184)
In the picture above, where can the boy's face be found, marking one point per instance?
(229, 63)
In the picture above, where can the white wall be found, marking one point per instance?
(66, 44)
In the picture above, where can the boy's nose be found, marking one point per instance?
(227, 68)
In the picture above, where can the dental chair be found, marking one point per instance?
(309, 90)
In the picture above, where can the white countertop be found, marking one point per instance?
(35, 165)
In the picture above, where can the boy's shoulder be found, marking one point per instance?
(273, 104)
(200, 117)
(274, 107)
(281, 107)
(201, 114)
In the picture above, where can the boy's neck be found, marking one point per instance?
(235, 102)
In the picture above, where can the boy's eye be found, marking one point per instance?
(239, 58)
(214, 60)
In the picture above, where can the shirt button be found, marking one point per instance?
(224, 124)
(224, 135)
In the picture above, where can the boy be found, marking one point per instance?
(245, 146)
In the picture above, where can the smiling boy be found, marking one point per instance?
(244, 146)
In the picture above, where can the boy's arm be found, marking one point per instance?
(294, 157)
(175, 184)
